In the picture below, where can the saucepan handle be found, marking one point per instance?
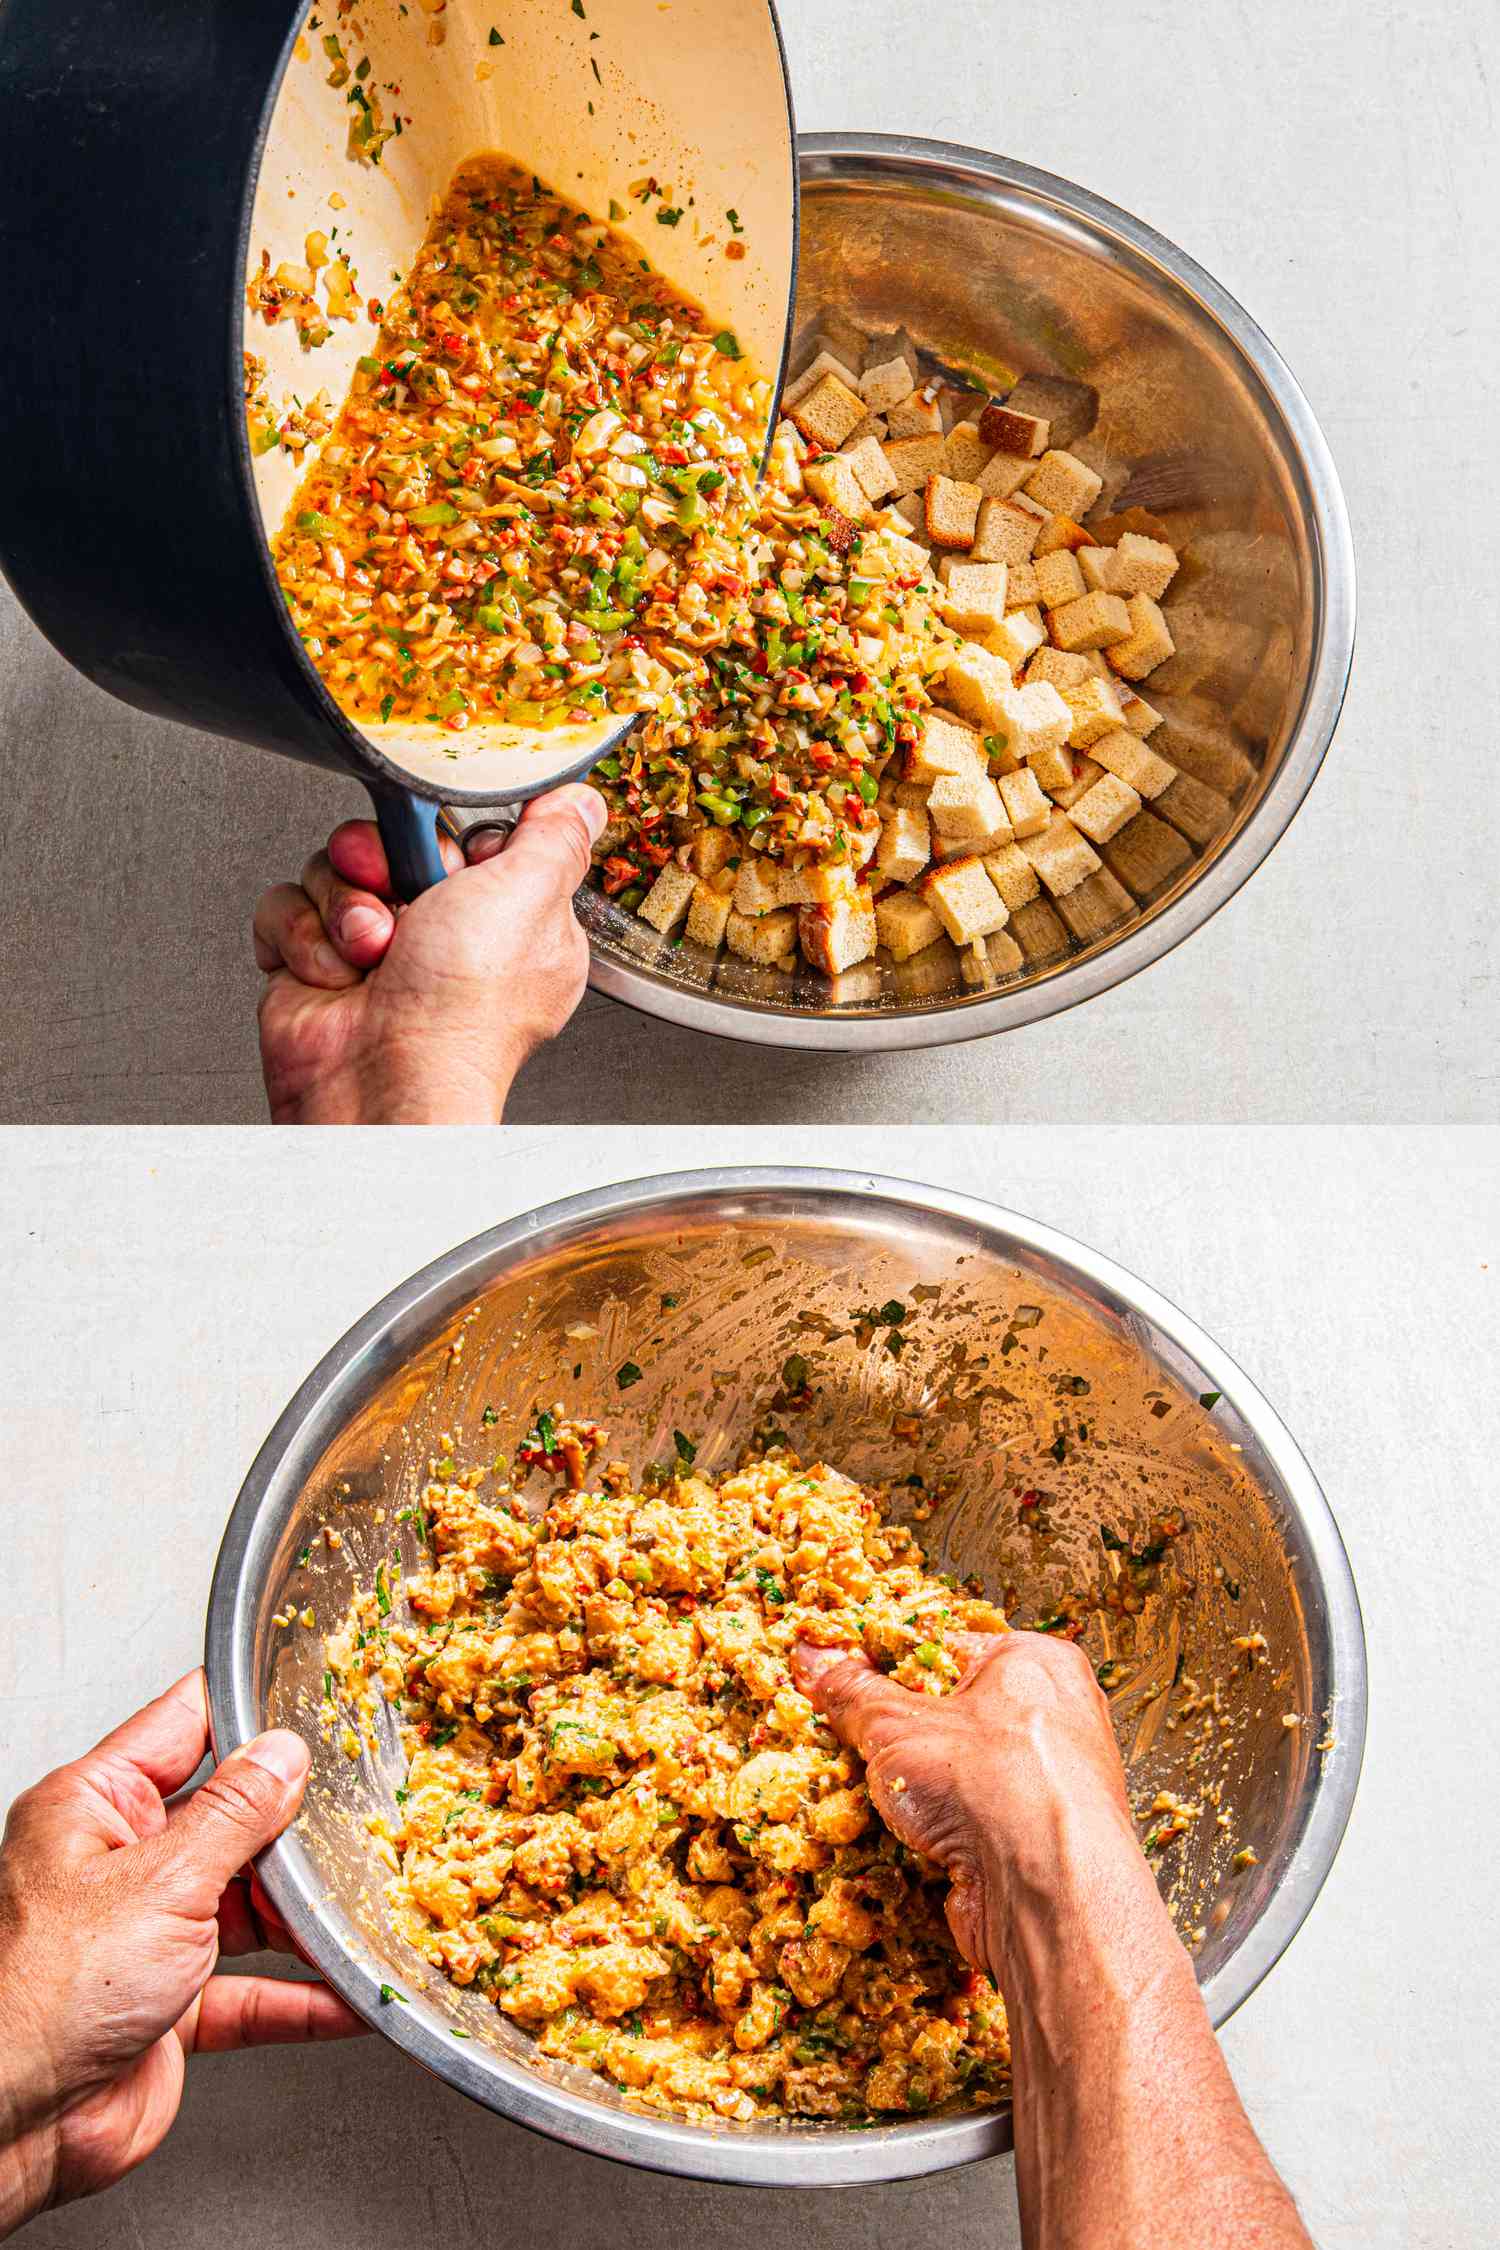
(408, 830)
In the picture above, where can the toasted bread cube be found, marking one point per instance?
(1039, 933)
(1095, 906)
(976, 684)
(1147, 855)
(1061, 857)
(867, 459)
(1004, 532)
(1094, 621)
(1035, 718)
(1141, 717)
(944, 746)
(834, 481)
(1103, 810)
(975, 847)
(905, 844)
(1098, 567)
(963, 808)
(959, 405)
(964, 900)
(987, 960)
(761, 885)
(1064, 485)
(1025, 807)
(1124, 754)
(967, 453)
(1025, 434)
(974, 597)
(911, 507)
(1094, 710)
(708, 916)
(1020, 586)
(826, 363)
(1012, 874)
(1059, 532)
(917, 416)
(1143, 566)
(1018, 635)
(1199, 741)
(710, 850)
(1194, 808)
(1058, 579)
(1085, 774)
(1069, 408)
(887, 384)
(667, 901)
(952, 511)
(916, 460)
(1148, 642)
(768, 938)
(1062, 669)
(830, 412)
(821, 882)
(1003, 475)
(835, 937)
(1053, 768)
(906, 924)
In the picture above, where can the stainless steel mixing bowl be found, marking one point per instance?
(992, 265)
(708, 1280)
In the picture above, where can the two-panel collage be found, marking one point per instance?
(747, 1461)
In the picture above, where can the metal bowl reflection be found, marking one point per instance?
(757, 1264)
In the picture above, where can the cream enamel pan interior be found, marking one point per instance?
(592, 99)
(764, 1263)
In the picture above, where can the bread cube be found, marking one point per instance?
(907, 555)
(1025, 434)
(1053, 768)
(1147, 855)
(1012, 874)
(761, 885)
(967, 453)
(911, 507)
(711, 850)
(964, 900)
(1199, 741)
(1143, 566)
(976, 684)
(1094, 709)
(767, 938)
(1059, 532)
(1098, 567)
(1125, 755)
(667, 901)
(1018, 635)
(1200, 812)
(1095, 907)
(952, 511)
(1061, 857)
(974, 596)
(1141, 717)
(1069, 408)
(1147, 643)
(835, 937)
(1020, 586)
(916, 460)
(906, 924)
(821, 882)
(1094, 621)
(1058, 579)
(1004, 474)
(1085, 774)
(963, 807)
(826, 363)
(944, 746)
(987, 960)
(1064, 485)
(1038, 932)
(708, 916)
(887, 384)
(905, 843)
(1062, 669)
(1035, 718)
(1103, 810)
(833, 481)
(830, 412)
(1004, 532)
(917, 416)
(866, 457)
(1026, 808)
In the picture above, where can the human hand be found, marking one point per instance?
(423, 1014)
(1000, 1782)
(113, 1911)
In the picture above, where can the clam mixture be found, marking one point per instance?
(624, 1823)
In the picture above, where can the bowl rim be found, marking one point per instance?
(384, 1339)
(845, 157)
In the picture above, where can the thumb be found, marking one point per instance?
(861, 1705)
(243, 1806)
(553, 840)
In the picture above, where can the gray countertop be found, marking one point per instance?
(1336, 167)
(167, 1292)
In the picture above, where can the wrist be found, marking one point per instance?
(1068, 1891)
(395, 1088)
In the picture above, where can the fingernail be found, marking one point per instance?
(484, 843)
(327, 961)
(357, 923)
(280, 1753)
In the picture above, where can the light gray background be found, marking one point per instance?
(1335, 165)
(166, 1294)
